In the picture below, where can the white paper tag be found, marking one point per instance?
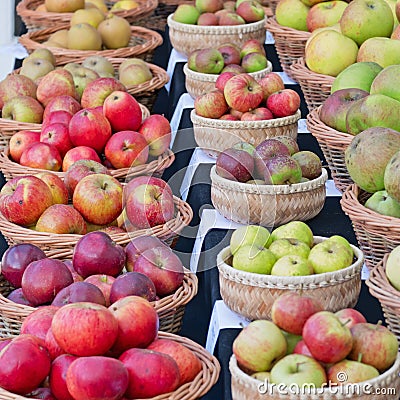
(302, 126)
(286, 79)
(269, 38)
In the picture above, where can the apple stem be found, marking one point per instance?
(379, 323)
(346, 322)
(359, 358)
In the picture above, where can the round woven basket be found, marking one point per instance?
(333, 144)
(198, 83)
(268, 205)
(195, 389)
(243, 387)
(376, 234)
(315, 87)
(215, 135)
(35, 20)
(252, 295)
(62, 245)
(289, 43)
(142, 44)
(185, 37)
(388, 296)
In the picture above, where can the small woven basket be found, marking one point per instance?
(195, 389)
(333, 144)
(215, 135)
(35, 20)
(185, 37)
(142, 44)
(252, 295)
(376, 234)
(289, 43)
(63, 244)
(198, 83)
(384, 387)
(268, 205)
(315, 87)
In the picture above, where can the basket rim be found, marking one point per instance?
(300, 71)
(290, 282)
(275, 28)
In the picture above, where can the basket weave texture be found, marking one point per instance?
(376, 234)
(289, 43)
(268, 205)
(201, 384)
(252, 295)
(215, 135)
(333, 144)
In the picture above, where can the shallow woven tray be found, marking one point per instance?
(63, 244)
(244, 387)
(215, 135)
(200, 385)
(376, 234)
(35, 20)
(333, 144)
(142, 44)
(185, 38)
(315, 87)
(289, 43)
(198, 83)
(268, 205)
(252, 295)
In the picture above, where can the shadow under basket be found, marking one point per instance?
(252, 295)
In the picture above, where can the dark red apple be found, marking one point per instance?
(52, 346)
(78, 292)
(17, 296)
(4, 343)
(75, 275)
(267, 149)
(235, 164)
(58, 376)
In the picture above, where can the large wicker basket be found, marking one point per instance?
(333, 144)
(268, 205)
(376, 234)
(215, 135)
(384, 387)
(195, 389)
(35, 20)
(185, 38)
(252, 295)
(315, 87)
(289, 43)
(198, 83)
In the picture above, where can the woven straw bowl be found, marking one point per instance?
(195, 389)
(252, 295)
(198, 83)
(268, 205)
(315, 87)
(289, 43)
(215, 135)
(185, 38)
(376, 234)
(333, 144)
(245, 387)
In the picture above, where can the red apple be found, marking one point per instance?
(267, 149)
(20, 141)
(79, 292)
(4, 343)
(57, 117)
(236, 69)
(156, 129)
(64, 103)
(75, 275)
(301, 348)
(98, 90)
(282, 170)
(145, 179)
(271, 83)
(235, 164)
(42, 156)
(56, 185)
(222, 79)
(211, 105)
(258, 114)
(230, 52)
(57, 134)
(104, 283)
(252, 46)
(58, 376)
(283, 103)
(230, 18)
(79, 153)
(16, 85)
(229, 117)
(52, 346)
(350, 317)
(17, 296)
(250, 11)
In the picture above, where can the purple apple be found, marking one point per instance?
(77, 292)
(17, 296)
(235, 164)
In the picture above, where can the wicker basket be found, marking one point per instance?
(315, 87)
(35, 20)
(245, 387)
(215, 135)
(252, 295)
(63, 244)
(142, 44)
(197, 83)
(195, 389)
(8, 127)
(185, 38)
(333, 144)
(268, 205)
(289, 43)
(376, 234)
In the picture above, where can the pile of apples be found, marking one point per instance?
(305, 345)
(60, 6)
(219, 12)
(288, 251)
(275, 161)
(229, 57)
(242, 97)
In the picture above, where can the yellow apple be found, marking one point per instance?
(124, 5)
(92, 16)
(60, 6)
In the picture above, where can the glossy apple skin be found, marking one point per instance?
(43, 156)
(64, 103)
(283, 103)
(56, 117)
(57, 134)
(79, 153)
(52, 346)
(271, 83)
(144, 179)
(156, 129)
(104, 283)
(17, 296)
(58, 376)
(234, 164)
(78, 292)
(56, 185)
(20, 141)
(75, 275)
(350, 317)
(98, 90)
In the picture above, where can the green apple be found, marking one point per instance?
(186, 14)
(209, 61)
(249, 235)
(294, 230)
(382, 50)
(256, 259)
(292, 265)
(354, 372)
(342, 240)
(392, 268)
(334, 27)
(383, 82)
(286, 247)
(35, 68)
(329, 255)
(99, 64)
(23, 109)
(261, 376)
(292, 13)
(391, 177)
(291, 340)
(42, 53)
(383, 204)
